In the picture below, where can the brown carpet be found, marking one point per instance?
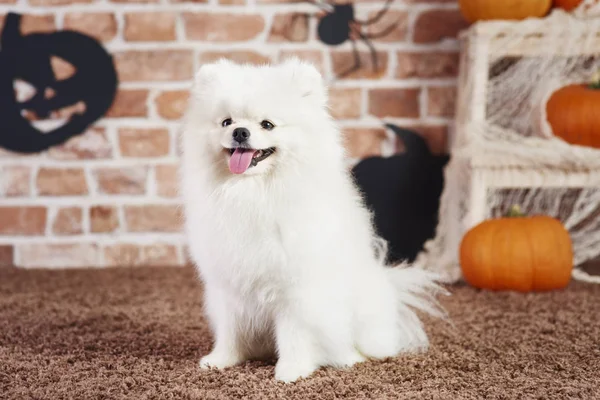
(138, 334)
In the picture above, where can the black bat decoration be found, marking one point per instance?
(28, 58)
(403, 192)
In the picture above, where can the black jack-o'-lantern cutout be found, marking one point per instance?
(27, 58)
(403, 192)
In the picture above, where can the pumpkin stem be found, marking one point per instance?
(515, 212)
(595, 83)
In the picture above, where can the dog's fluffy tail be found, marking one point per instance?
(418, 289)
(388, 322)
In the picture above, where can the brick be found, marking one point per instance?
(61, 182)
(172, 104)
(23, 90)
(61, 68)
(129, 180)
(14, 181)
(135, 1)
(37, 24)
(7, 154)
(441, 101)
(122, 255)
(132, 255)
(345, 103)
(167, 180)
(153, 218)
(150, 26)
(290, 27)
(32, 116)
(69, 111)
(364, 142)
(435, 25)
(232, 2)
(129, 103)
(7, 256)
(68, 221)
(58, 255)
(99, 25)
(239, 56)
(104, 219)
(427, 65)
(50, 3)
(341, 61)
(222, 27)
(154, 65)
(144, 142)
(93, 144)
(315, 57)
(394, 103)
(395, 23)
(436, 137)
(17, 220)
(161, 255)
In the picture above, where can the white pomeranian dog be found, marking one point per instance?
(279, 233)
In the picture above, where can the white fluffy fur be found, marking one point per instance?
(287, 250)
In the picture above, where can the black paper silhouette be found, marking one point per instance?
(403, 192)
(28, 58)
(339, 25)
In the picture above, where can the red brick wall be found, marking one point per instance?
(108, 197)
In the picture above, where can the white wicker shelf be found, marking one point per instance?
(484, 159)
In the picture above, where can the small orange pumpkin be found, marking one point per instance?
(517, 253)
(481, 10)
(572, 113)
(567, 5)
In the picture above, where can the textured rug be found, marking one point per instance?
(138, 333)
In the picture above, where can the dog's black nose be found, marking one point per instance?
(240, 135)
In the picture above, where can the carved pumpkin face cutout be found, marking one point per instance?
(42, 105)
(52, 86)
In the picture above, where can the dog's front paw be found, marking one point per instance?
(219, 360)
(292, 371)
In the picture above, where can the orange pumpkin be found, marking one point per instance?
(481, 10)
(567, 5)
(571, 112)
(517, 253)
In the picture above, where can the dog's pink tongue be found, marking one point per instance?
(240, 160)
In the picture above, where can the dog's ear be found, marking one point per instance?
(208, 74)
(307, 78)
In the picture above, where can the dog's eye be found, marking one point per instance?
(268, 125)
(227, 122)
